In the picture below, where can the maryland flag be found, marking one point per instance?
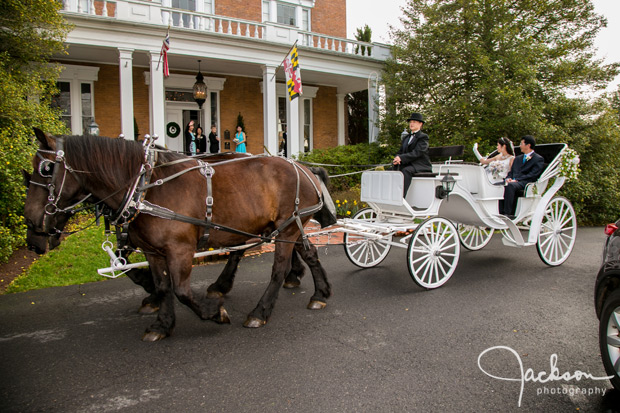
(293, 74)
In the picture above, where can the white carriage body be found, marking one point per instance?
(473, 201)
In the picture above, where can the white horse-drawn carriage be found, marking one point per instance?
(457, 204)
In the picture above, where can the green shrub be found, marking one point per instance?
(347, 157)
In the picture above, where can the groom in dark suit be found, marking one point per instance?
(412, 157)
(526, 168)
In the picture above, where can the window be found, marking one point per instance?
(182, 19)
(209, 6)
(286, 14)
(63, 101)
(214, 109)
(265, 11)
(75, 97)
(78, 116)
(88, 115)
(308, 144)
(305, 20)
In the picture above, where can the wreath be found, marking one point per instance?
(173, 129)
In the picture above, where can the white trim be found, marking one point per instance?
(186, 82)
(83, 73)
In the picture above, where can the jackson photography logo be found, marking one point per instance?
(543, 377)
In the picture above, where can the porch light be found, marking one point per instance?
(93, 128)
(447, 186)
(200, 89)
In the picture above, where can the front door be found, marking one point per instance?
(177, 118)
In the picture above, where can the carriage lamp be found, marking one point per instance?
(200, 89)
(447, 185)
(93, 128)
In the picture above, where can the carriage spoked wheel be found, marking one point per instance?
(433, 252)
(362, 251)
(474, 238)
(558, 231)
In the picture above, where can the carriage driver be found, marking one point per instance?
(412, 157)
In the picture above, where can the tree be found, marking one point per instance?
(363, 34)
(31, 31)
(481, 69)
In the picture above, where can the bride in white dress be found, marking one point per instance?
(499, 165)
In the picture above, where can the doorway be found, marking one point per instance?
(178, 115)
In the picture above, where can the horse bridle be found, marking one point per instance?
(45, 167)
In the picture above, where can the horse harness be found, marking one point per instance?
(134, 200)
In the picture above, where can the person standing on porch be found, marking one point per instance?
(412, 157)
(190, 138)
(202, 140)
(240, 140)
(214, 140)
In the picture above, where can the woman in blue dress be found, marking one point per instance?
(190, 138)
(240, 140)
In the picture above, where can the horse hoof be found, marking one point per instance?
(152, 336)
(291, 284)
(222, 317)
(148, 309)
(253, 322)
(316, 305)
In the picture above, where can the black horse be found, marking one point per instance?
(105, 168)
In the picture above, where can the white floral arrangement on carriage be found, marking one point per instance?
(569, 165)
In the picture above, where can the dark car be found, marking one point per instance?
(607, 303)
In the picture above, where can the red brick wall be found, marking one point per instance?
(246, 10)
(141, 102)
(242, 95)
(107, 101)
(330, 17)
(325, 118)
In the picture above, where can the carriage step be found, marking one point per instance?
(517, 238)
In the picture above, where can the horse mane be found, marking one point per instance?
(113, 161)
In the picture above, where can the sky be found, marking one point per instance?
(379, 14)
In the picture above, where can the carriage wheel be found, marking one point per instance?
(362, 251)
(557, 232)
(474, 238)
(433, 252)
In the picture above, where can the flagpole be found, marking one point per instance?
(160, 54)
(285, 56)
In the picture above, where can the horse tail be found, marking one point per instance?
(326, 216)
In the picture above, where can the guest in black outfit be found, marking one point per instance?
(412, 157)
(202, 140)
(526, 168)
(214, 140)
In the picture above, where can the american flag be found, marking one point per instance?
(164, 52)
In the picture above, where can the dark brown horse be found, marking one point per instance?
(255, 195)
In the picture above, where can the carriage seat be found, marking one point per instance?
(439, 152)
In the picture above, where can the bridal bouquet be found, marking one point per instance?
(498, 170)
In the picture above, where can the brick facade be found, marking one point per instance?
(325, 119)
(246, 10)
(330, 17)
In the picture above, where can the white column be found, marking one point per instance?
(126, 84)
(294, 136)
(270, 125)
(373, 108)
(340, 116)
(157, 100)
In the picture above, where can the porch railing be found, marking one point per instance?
(153, 12)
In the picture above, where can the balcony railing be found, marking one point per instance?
(153, 12)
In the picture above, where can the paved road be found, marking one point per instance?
(382, 343)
